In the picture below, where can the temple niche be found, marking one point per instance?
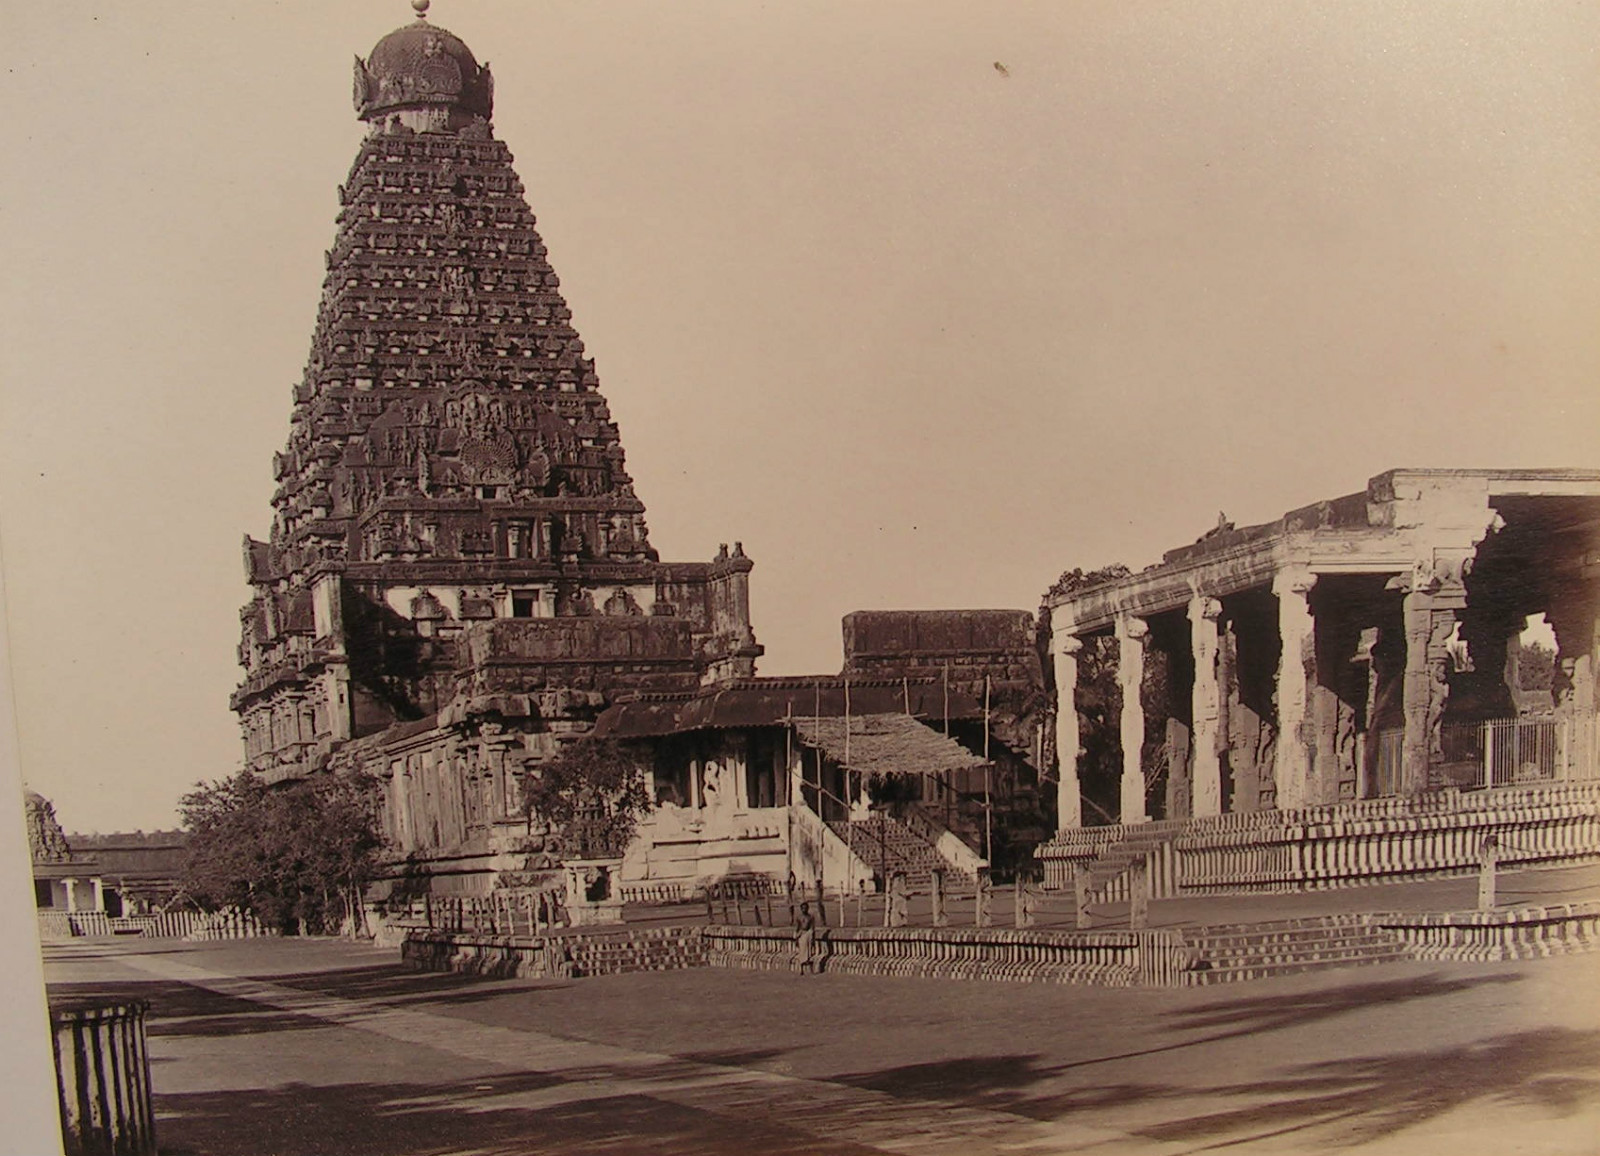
(1359, 648)
(459, 573)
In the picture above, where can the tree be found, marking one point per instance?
(298, 856)
(1536, 666)
(592, 794)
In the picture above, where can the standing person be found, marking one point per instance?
(896, 909)
(805, 939)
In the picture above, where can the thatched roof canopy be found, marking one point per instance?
(885, 744)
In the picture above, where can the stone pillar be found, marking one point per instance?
(1429, 623)
(1131, 634)
(1069, 797)
(404, 830)
(1207, 707)
(1576, 686)
(99, 893)
(1139, 894)
(72, 894)
(336, 684)
(1296, 631)
(497, 743)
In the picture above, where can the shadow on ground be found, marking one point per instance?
(1349, 1103)
(1333, 1104)
(995, 1079)
(180, 1009)
(393, 984)
(177, 1009)
(424, 1119)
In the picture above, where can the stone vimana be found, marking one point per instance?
(456, 543)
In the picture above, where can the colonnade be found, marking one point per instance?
(1431, 601)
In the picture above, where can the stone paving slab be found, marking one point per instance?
(354, 1055)
(587, 1072)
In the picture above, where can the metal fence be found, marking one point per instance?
(1501, 752)
(1493, 753)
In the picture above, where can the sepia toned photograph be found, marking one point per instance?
(1093, 645)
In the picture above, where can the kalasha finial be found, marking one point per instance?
(420, 7)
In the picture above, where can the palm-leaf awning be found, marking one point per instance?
(885, 744)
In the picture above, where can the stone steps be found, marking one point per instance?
(1113, 861)
(1238, 973)
(907, 852)
(1230, 953)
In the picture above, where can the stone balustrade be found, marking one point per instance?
(560, 956)
(1438, 834)
(73, 924)
(162, 924)
(1520, 933)
(210, 925)
(103, 1078)
(1112, 958)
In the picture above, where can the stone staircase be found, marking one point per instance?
(1139, 840)
(1232, 952)
(882, 841)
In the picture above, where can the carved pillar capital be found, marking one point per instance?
(1130, 626)
(1297, 580)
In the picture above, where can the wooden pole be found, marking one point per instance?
(822, 804)
(988, 804)
(947, 698)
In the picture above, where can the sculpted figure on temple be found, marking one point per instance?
(45, 837)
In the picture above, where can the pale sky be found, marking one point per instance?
(920, 332)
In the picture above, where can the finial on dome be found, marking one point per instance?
(420, 7)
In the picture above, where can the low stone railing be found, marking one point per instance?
(1518, 933)
(103, 1078)
(210, 925)
(73, 924)
(559, 956)
(160, 925)
(476, 953)
(1107, 958)
(54, 925)
(1438, 834)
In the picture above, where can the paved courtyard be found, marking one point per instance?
(318, 1046)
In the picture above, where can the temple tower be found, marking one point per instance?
(456, 542)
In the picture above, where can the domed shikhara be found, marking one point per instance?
(422, 67)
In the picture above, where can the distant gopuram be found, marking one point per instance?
(458, 571)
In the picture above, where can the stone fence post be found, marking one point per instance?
(103, 1078)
